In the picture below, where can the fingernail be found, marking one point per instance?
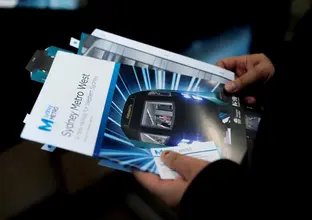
(250, 100)
(165, 153)
(230, 87)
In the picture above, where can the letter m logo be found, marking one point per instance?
(47, 125)
(158, 152)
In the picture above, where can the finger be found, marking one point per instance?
(187, 167)
(148, 180)
(220, 64)
(239, 83)
(232, 62)
(250, 100)
(239, 71)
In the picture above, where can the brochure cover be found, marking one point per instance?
(130, 114)
(135, 51)
(39, 66)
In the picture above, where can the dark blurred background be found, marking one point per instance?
(34, 183)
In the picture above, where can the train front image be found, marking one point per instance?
(156, 118)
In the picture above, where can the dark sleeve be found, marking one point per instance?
(218, 180)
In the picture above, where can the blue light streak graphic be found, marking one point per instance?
(148, 165)
(116, 110)
(120, 135)
(159, 74)
(145, 78)
(122, 95)
(191, 84)
(123, 82)
(133, 160)
(148, 79)
(156, 79)
(118, 139)
(120, 153)
(112, 120)
(164, 80)
(196, 85)
(197, 98)
(116, 106)
(177, 82)
(173, 81)
(136, 77)
(216, 86)
(154, 169)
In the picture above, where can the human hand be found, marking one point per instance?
(171, 191)
(248, 69)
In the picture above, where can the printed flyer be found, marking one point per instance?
(131, 114)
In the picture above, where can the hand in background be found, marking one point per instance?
(171, 191)
(248, 69)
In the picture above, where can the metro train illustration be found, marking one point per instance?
(156, 118)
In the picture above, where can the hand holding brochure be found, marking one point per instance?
(205, 151)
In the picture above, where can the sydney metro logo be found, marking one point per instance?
(48, 119)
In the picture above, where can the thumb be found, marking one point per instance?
(241, 82)
(187, 167)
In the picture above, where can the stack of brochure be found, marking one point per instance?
(126, 102)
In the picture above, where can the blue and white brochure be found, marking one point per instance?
(131, 114)
(66, 113)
